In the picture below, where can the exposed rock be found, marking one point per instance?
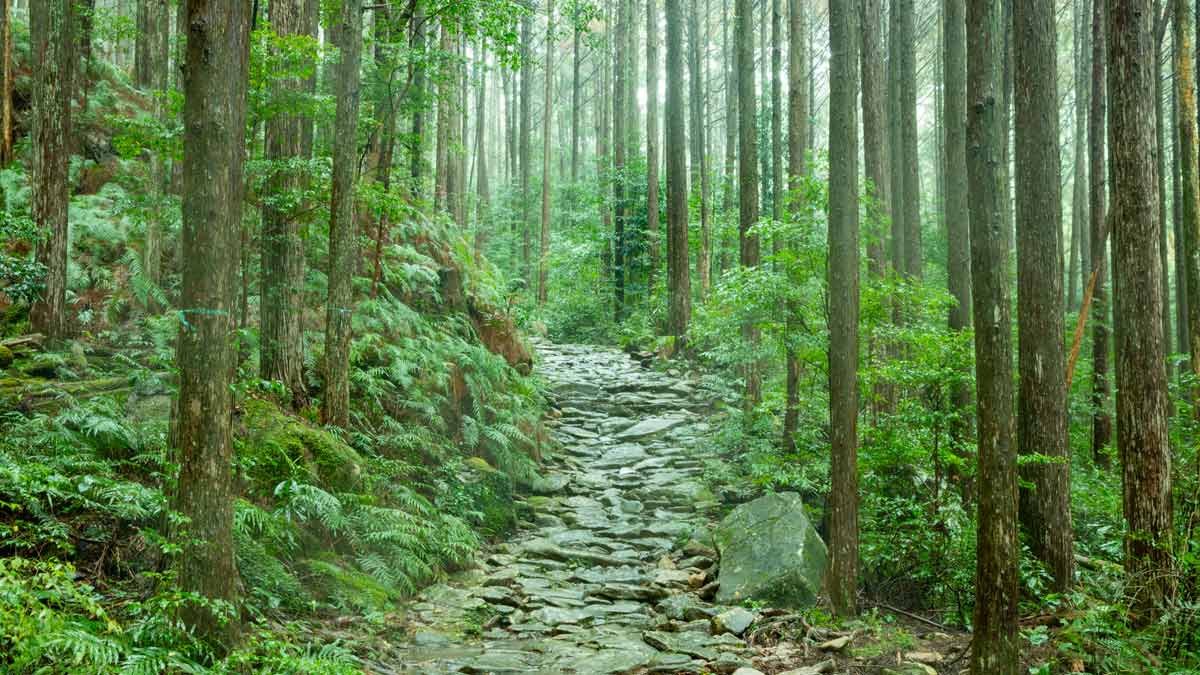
(733, 620)
(651, 427)
(770, 552)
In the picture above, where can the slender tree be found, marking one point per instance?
(281, 350)
(777, 138)
(1142, 405)
(910, 200)
(576, 85)
(957, 210)
(343, 237)
(547, 117)
(215, 82)
(652, 138)
(620, 148)
(994, 648)
(1079, 270)
(524, 144)
(6, 83)
(678, 280)
(697, 76)
(748, 245)
(843, 303)
(797, 139)
(1042, 398)
(1185, 95)
(482, 189)
(1098, 236)
(52, 50)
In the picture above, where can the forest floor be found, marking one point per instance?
(610, 573)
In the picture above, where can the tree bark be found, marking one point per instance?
(679, 288)
(895, 146)
(343, 235)
(1079, 270)
(482, 188)
(798, 166)
(214, 115)
(995, 646)
(1142, 405)
(1101, 421)
(843, 303)
(547, 117)
(52, 50)
(748, 246)
(697, 79)
(620, 147)
(653, 228)
(1042, 398)
(876, 155)
(281, 348)
(6, 83)
(1185, 95)
(957, 209)
(911, 167)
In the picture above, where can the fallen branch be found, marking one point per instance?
(915, 617)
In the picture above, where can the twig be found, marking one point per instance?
(916, 617)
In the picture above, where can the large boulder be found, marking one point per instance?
(770, 552)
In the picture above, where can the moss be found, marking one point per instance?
(343, 587)
(6, 357)
(491, 494)
(276, 446)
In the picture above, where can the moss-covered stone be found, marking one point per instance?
(6, 357)
(276, 446)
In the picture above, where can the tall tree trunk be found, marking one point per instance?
(1160, 140)
(576, 85)
(653, 227)
(281, 348)
(797, 139)
(416, 147)
(620, 148)
(603, 134)
(748, 246)
(1183, 334)
(731, 127)
(777, 139)
(343, 238)
(1142, 405)
(482, 189)
(697, 75)
(843, 303)
(547, 117)
(157, 62)
(679, 287)
(6, 83)
(52, 50)
(910, 199)
(385, 108)
(878, 175)
(995, 647)
(957, 208)
(524, 146)
(1185, 95)
(1101, 421)
(214, 122)
(1042, 397)
(895, 145)
(1079, 270)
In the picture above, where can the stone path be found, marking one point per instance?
(607, 576)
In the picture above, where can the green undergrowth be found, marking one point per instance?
(329, 524)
